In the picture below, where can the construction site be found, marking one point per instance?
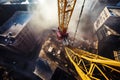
(59, 39)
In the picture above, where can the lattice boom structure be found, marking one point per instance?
(93, 67)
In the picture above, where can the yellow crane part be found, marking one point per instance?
(65, 10)
(91, 66)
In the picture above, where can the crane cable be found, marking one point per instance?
(78, 21)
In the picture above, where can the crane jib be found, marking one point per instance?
(65, 10)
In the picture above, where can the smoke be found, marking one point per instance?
(91, 11)
(44, 14)
(85, 27)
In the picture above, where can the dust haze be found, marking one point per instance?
(46, 16)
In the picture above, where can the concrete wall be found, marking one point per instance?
(6, 11)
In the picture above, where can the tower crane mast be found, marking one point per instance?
(65, 10)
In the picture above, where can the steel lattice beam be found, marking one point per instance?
(88, 65)
(65, 10)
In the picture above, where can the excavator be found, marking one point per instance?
(89, 66)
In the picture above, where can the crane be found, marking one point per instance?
(65, 10)
(89, 66)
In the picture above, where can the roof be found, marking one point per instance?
(15, 23)
(116, 12)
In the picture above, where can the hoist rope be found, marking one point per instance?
(78, 22)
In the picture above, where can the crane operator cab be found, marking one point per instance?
(63, 36)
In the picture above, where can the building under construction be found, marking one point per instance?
(30, 51)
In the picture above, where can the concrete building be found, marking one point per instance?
(91, 12)
(113, 2)
(18, 41)
(117, 55)
(107, 28)
(108, 22)
(17, 33)
(60, 74)
(98, 6)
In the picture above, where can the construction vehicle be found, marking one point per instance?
(88, 66)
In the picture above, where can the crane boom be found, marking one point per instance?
(92, 66)
(65, 10)
(88, 66)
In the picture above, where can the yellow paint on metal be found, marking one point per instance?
(80, 72)
(79, 57)
(92, 57)
(65, 10)
(101, 72)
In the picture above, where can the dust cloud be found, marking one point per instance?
(91, 11)
(46, 16)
